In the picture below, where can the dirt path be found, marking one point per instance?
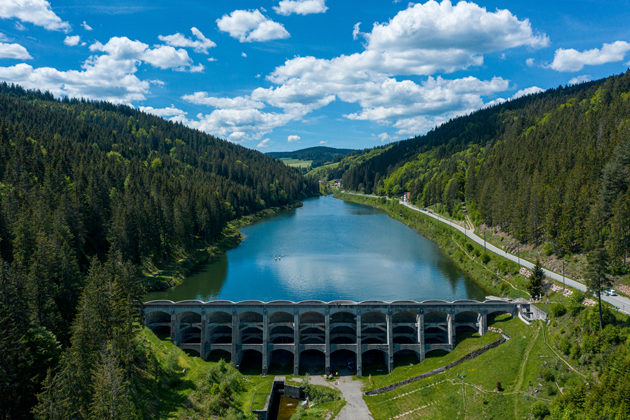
(355, 407)
(521, 373)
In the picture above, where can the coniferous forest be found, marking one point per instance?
(551, 167)
(89, 191)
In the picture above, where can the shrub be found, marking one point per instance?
(485, 258)
(540, 410)
(547, 374)
(558, 309)
(469, 247)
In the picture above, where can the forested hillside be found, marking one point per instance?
(320, 155)
(88, 192)
(553, 166)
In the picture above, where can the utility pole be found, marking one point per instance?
(484, 241)
(518, 253)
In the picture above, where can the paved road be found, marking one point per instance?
(355, 407)
(620, 302)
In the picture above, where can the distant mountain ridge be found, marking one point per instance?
(320, 155)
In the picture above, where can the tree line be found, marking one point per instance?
(550, 167)
(90, 191)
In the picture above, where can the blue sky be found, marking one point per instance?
(278, 75)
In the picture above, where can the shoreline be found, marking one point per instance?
(447, 243)
(175, 273)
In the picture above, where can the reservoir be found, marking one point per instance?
(330, 250)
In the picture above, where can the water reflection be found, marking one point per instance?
(330, 250)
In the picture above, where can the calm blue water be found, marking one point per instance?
(330, 249)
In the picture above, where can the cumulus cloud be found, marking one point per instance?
(37, 12)
(580, 79)
(573, 60)
(323, 142)
(86, 26)
(15, 51)
(265, 143)
(109, 76)
(200, 45)
(237, 125)
(161, 56)
(251, 26)
(239, 102)
(300, 7)
(529, 91)
(421, 40)
(72, 41)
(293, 139)
(530, 62)
(356, 31)
(243, 55)
(162, 112)
(384, 137)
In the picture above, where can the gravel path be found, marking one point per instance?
(355, 408)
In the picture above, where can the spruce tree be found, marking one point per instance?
(111, 399)
(535, 285)
(596, 278)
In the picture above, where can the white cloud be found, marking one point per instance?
(265, 143)
(72, 41)
(293, 139)
(323, 142)
(15, 51)
(101, 78)
(109, 76)
(300, 7)
(237, 124)
(573, 60)
(37, 12)
(580, 79)
(162, 56)
(201, 44)
(421, 40)
(251, 26)
(356, 31)
(3, 37)
(162, 112)
(86, 26)
(211, 59)
(529, 91)
(385, 137)
(243, 55)
(530, 62)
(239, 102)
(391, 99)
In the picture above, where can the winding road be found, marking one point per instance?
(620, 302)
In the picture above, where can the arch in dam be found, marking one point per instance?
(324, 332)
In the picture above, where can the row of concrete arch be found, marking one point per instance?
(328, 328)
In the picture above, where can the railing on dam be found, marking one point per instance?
(324, 327)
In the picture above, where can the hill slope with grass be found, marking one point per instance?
(318, 155)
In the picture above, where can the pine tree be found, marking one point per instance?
(111, 399)
(535, 285)
(596, 278)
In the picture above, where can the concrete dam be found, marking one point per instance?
(326, 328)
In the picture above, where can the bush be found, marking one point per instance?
(172, 368)
(558, 309)
(540, 410)
(469, 247)
(485, 258)
(547, 374)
